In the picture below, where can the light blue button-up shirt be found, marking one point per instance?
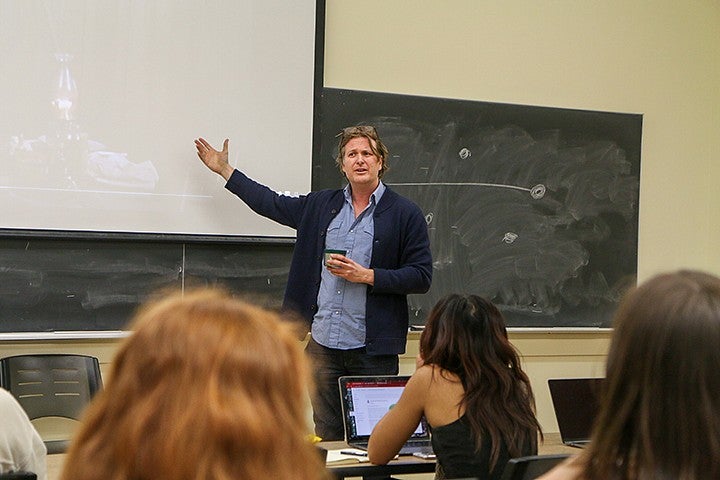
(340, 319)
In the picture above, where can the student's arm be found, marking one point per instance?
(36, 457)
(21, 447)
(393, 430)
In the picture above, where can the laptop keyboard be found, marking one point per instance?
(416, 443)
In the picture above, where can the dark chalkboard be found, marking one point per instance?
(533, 207)
(94, 284)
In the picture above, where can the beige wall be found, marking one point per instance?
(660, 58)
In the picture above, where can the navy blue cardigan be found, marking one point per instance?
(401, 255)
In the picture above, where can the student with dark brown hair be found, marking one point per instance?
(660, 409)
(207, 387)
(471, 388)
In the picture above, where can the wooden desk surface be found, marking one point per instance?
(553, 445)
(414, 465)
(406, 464)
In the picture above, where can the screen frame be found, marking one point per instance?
(318, 82)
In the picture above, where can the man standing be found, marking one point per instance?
(357, 305)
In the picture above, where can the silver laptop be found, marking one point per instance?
(365, 399)
(576, 403)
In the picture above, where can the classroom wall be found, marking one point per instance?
(660, 58)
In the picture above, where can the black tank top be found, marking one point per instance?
(455, 449)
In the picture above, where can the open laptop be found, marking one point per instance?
(365, 399)
(576, 402)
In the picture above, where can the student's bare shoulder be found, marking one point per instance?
(431, 375)
(420, 378)
(443, 396)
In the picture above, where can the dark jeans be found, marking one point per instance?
(330, 364)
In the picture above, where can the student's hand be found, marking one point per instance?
(341, 266)
(215, 160)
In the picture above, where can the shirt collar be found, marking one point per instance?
(374, 197)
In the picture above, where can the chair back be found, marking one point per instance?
(531, 467)
(51, 385)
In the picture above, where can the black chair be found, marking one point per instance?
(531, 467)
(18, 476)
(51, 385)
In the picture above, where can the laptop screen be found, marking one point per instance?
(365, 400)
(576, 402)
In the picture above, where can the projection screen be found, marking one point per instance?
(100, 101)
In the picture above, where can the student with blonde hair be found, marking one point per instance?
(660, 409)
(206, 388)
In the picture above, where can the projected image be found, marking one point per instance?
(65, 157)
(100, 103)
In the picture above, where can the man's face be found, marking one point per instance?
(360, 165)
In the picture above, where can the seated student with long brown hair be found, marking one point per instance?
(470, 387)
(660, 409)
(206, 388)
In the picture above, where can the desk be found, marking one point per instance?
(399, 466)
(553, 445)
(413, 465)
(404, 465)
